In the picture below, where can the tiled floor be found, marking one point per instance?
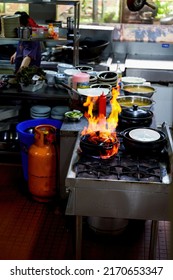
(32, 230)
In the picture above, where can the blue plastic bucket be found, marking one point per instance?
(27, 139)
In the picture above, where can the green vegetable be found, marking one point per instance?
(26, 74)
(74, 114)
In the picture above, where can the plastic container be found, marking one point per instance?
(34, 87)
(26, 138)
(80, 80)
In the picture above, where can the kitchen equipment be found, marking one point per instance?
(24, 32)
(132, 80)
(40, 112)
(84, 68)
(89, 49)
(99, 148)
(74, 115)
(42, 164)
(25, 132)
(167, 20)
(137, 5)
(144, 140)
(50, 77)
(9, 25)
(142, 90)
(63, 66)
(80, 80)
(135, 116)
(128, 186)
(108, 77)
(140, 101)
(93, 92)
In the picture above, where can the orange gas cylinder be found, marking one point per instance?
(42, 164)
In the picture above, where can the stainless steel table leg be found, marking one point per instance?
(153, 240)
(78, 237)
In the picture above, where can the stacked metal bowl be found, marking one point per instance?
(9, 25)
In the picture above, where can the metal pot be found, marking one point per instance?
(140, 101)
(142, 147)
(24, 32)
(137, 5)
(135, 116)
(140, 90)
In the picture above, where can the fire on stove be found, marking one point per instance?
(99, 139)
(124, 167)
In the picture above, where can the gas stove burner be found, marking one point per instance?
(142, 173)
(123, 167)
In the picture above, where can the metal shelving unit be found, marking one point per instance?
(75, 4)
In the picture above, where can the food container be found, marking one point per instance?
(142, 145)
(135, 116)
(132, 80)
(74, 115)
(99, 147)
(24, 32)
(80, 80)
(32, 87)
(140, 90)
(108, 77)
(140, 101)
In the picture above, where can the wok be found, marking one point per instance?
(137, 5)
(88, 50)
(142, 147)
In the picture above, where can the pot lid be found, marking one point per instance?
(135, 112)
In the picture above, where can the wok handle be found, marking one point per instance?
(152, 6)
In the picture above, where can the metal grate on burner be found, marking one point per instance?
(121, 167)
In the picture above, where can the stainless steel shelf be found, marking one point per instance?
(76, 4)
(58, 2)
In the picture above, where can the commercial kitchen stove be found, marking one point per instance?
(126, 187)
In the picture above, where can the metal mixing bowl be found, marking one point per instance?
(130, 100)
(140, 90)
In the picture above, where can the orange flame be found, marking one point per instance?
(100, 123)
(105, 126)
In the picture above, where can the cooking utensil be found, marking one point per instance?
(135, 116)
(143, 147)
(137, 5)
(97, 149)
(133, 80)
(89, 49)
(144, 134)
(74, 115)
(140, 101)
(140, 90)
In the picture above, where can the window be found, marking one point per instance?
(99, 12)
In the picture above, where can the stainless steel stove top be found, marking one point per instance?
(127, 195)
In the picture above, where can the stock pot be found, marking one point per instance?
(135, 116)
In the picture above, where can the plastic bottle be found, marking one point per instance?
(70, 28)
(50, 30)
(119, 75)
